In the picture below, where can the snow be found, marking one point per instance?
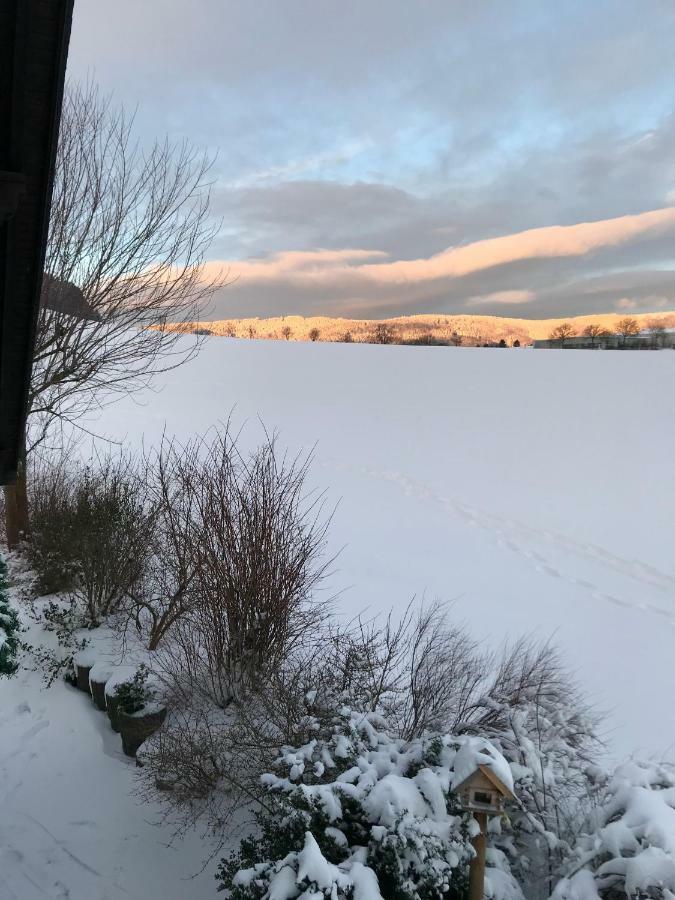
(634, 845)
(121, 675)
(86, 658)
(535, 491)
(313, 866)
(101, 671)
(71, 824)
(476, 752)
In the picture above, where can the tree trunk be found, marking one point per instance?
(16, 507)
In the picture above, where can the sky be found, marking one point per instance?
(390, 157)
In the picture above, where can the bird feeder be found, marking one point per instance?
(483, 794)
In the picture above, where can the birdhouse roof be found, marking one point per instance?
(492, 778)
(477, 755)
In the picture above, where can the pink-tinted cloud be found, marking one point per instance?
(363, 267)
(536, 243)
(292, 264)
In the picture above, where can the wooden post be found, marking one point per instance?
(477, 867)
(16, 507)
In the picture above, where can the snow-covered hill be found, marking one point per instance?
(534, 490)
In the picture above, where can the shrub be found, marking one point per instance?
(356, 810)
(9, 627)
(420, 675)
(111, 526)
(626, 848)
(134, 695)
(254, 553)
(166, 588)
(64, 619)
(91, 531)
(50, 549)
(531, 710)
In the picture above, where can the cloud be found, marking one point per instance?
(334, 126)
(503, 297)
(536, 243)
(625, 303)
(293, 265)
(302, 166)
(351, 266)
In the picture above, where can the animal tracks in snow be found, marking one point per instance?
(516, 537)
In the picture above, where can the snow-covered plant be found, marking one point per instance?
(133, 695)
(9, 627)
(64, 619)
(628, 846)
(429, 674)
(536, 718)
(357, 812)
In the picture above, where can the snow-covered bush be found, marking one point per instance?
(534, 714)
(63, 618)
(134, 694)
(357, 812)
(9, 627)
(428, 674)
(628, 846)
(421, 675)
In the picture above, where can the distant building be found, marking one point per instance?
(645, 340)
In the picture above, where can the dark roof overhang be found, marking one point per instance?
(34, 36)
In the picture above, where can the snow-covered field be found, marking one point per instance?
(534, 489)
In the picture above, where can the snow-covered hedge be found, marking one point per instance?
(549, 743)
(628, 849)
(9, 627)
(357, 813)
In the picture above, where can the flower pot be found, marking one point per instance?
(120, 675)
(112, 708)
(137, 727)
(99, 676)
(83, 677)
(83, 661)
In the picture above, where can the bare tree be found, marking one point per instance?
(128, 234)
(657, 328)
(287, 331)
(166, 591)
(314, 334)
(562, 332)
(627, 327)
(594, 332)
